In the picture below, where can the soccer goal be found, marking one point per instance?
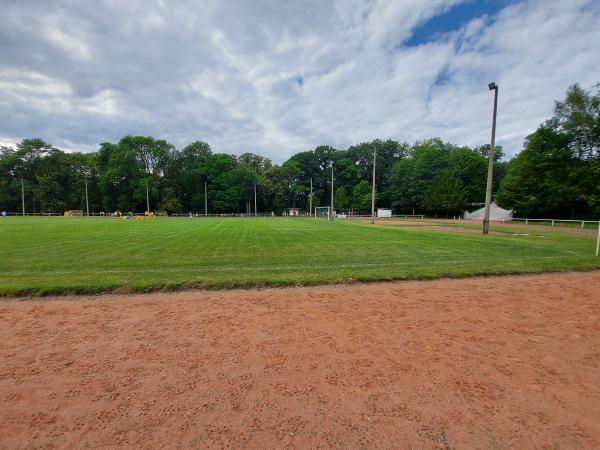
(323, 212)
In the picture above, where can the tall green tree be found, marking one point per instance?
(223, 191)
(447, 195)
(190, 174)
(247, 179)
(484, 150)
(361, 197)
(273, 185)
(578, 116)
(554, 175)
(543, 179)
(341, 202)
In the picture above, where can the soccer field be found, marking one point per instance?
(59, 255)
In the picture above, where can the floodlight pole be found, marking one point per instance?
(598, 241)
(205, 201)
(310, 200)
(87, 203)
(331, 207)
(23, 196)
(255, 214)
(373, 188)
(147, 198)
(488, 190)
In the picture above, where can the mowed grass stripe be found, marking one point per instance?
(94, 254)
(288, 267)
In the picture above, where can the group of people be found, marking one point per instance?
(119, 215)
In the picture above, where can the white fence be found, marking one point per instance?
(394, 216)
(198, 215)
(551, 221)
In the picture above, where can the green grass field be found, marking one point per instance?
(60, 255)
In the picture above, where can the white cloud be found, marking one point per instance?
(75, 47)
(281, 77)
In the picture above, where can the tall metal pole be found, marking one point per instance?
(87, 203)
(373, 188)
(255, 212)
(147, 198)
(23, 196)
(598, 240)
(310, 199)
(205, 201)
(490, 174)
(331, 208)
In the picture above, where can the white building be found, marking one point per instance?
(496, 213)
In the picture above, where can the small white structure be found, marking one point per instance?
(293, 212)
(385, 213)
(496, 213)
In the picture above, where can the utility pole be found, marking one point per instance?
(488, 189)
(23, 196)
(310, 199)
(205, 201)
(255, 213)
(373, 188)
(87, 203)
(147, 198)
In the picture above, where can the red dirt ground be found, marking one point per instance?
(500, 362)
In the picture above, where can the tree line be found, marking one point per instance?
(557, 174)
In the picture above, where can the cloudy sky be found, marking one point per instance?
(277, 77)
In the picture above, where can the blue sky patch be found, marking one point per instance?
(453, 19)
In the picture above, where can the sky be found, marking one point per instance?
(279, 77)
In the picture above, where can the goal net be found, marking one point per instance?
(322, 212)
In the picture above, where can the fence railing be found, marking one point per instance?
(408, 216)
(42, 214)
(394, 216)
(552, 222)
(200, 215)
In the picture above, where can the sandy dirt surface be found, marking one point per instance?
(492, 363)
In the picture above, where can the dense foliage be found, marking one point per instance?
(557, 174)
(117, 175)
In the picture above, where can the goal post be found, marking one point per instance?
(322, 212)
